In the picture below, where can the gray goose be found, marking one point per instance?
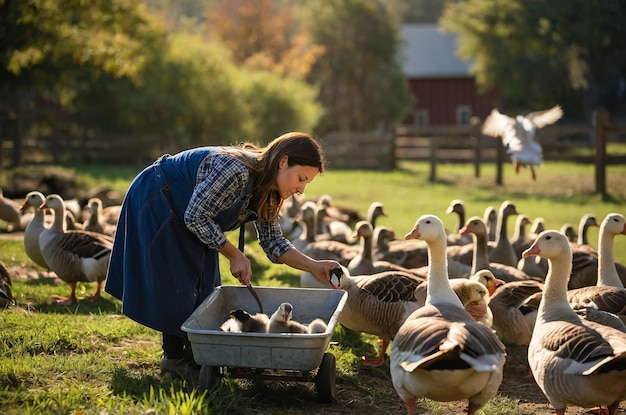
(574, 361)
(454, 238)
(10, 212)
(74, 255)
(440, 352)
(377, 304)
(363, 264)
(503, 251)
(34, 228)
(481, 259)
(490, 217)
(95, 222)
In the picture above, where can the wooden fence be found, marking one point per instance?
(581, 143)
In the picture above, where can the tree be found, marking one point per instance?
(542, 52)
(362, 86)
(47, 45)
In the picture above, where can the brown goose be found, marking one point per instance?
(490, 218)
(481, 259)
(440, 352)
(503, 251)
(455, 238)
(574, 361)
(363, 264)
(6, 296)
(95, 222)
(10, 212)
(377, 304)
(74, 255)
(520, 239)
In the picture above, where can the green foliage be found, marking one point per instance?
(534, 52)
(360, 64)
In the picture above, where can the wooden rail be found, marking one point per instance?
(466, 144)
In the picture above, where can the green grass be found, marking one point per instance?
(90, 359)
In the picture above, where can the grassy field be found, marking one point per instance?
(90, 359)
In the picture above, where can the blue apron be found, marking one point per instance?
(158, 268)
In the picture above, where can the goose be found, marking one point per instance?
(440, 352)
(94, 222)
(480, 258)
(10, 212)
(491, 220)
(518, 135)
(346, 214)
(538, 226)
(363, 264)
(375, 211)
(514, 312)
(569, 230)
(288, 213)
(6, 295)
(377, 304)
(36, 225)
(458, 206)
(281, 321)
(73, 255)
(588, 266)
(574, 361)
(586, 221)
(241, 321)
(520, 239)
(503, 251)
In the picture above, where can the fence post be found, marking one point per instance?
(433, 158)
(600, 120)
(478, 138)
(499, 161)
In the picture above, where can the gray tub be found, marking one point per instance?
(214, 347)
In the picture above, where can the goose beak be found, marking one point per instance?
(533, 250)
(414, 234)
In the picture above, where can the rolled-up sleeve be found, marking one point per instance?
(219, 183)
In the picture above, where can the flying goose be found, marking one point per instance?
(73, 255)
(518, 135)
(574, 361)
(440, 352)
(377, 304)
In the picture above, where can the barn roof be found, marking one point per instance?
(428, 52)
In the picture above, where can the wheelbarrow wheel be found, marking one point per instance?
(325, 378)
(209, 377)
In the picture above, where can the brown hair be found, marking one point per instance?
(301, 149)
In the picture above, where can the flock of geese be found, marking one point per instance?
(446, 302)
(72, 242)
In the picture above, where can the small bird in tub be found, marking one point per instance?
(281, 322)
(243, 322)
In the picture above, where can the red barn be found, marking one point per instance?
(445, 92)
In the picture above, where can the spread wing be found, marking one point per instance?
(496, 123)
(546, 117)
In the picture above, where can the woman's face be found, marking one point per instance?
(292, 180)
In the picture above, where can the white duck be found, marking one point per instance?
(440, 352)
(36, 225)
(73, 255)
(377, 304)
(574, 362)
(518, 135)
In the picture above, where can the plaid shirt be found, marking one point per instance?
(220, 182)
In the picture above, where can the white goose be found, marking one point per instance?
(518, 134)
(377, 304)
(440, 352)
(73, 255)
(36, 225)
(574, 362)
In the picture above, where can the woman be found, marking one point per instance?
(165, 255)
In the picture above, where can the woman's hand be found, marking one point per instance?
(240, 266)
(321, 269)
